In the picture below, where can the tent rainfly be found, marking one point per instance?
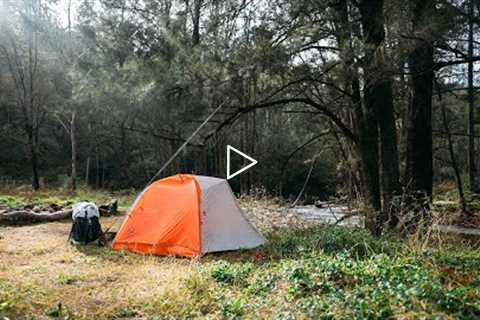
(186, 215)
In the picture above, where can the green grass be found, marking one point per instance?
(22, 196)
(318, 272)
(334, 273)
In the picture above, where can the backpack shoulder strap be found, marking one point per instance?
(71, 232)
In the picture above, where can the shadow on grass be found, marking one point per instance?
(105, 253)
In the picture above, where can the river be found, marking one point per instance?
(329, 214)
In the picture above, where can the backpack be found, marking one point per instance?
(86, 226)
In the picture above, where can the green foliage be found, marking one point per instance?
(334, 272)
(139, 87)
(20, 196)
(16, 301)
(231, 273)
(68, 279)
(10, 299)
(460, 260)
(321, 272)
(233, 309)
(127, 313)
(11, 201)
(330, 240)
(55, 311)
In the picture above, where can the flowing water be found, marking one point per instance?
(330, 214)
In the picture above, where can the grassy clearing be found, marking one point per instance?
(319, 272)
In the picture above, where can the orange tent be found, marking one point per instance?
(186, 215)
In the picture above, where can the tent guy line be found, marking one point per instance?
(156, 175)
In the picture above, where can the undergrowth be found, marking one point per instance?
(316, 272)
(22, 196)
(337, 273)
(322, 272)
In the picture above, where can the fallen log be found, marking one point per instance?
(109, 209)
(20, 217)
(30, 214)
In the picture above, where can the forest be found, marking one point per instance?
(368, 105)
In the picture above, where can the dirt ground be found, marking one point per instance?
(40, 270)
(91, 280)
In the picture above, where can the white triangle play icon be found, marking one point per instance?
(252, 162)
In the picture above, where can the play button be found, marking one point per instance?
(251, 164)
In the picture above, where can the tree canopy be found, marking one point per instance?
(378, 97)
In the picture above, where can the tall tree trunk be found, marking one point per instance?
(87, 171)
(352, 85)
(364, 114)
(369, 156)
(389, 151)
(472, 163)
(97, 167)
(197, 5)
(419, 171)
(451, 150)
(73, 141)
(379, 114)
(31, 113)
(103, 173)
(32, 148)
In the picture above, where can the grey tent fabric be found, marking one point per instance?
(224, 225)
(208, 182)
